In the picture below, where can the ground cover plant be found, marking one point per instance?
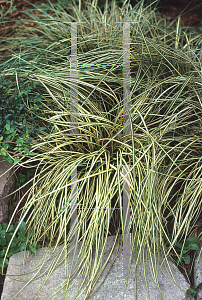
(18, 243)
(162, 156)
(16, 120)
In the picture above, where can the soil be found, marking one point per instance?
(190, 12)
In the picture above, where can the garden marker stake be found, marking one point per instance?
(126, 243)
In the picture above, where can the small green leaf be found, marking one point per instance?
(5, 263)
(11, 228)
(2, 242)
(7, 127)
(32, 250)
(27, 150)
(19, 141)
(9, 236)
(3, 152)
(179, 245)
(14, 243)
(22, 227)
(2, 233)
(21, 236)
(191, 240)
(22, 178)
(32, 154)
(22, 247)
(193, 247)
(16, 160)
(13, 250)
(199, 286)
(2, 253)
(4, 226)
(186, 259)
(191, 293)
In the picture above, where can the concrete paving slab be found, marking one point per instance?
(198, 273)
(113, 283)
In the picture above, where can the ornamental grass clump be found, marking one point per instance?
(163, 154)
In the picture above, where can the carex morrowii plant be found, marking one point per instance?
(163, 154)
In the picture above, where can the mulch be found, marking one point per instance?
(189, 10)
(8, 23)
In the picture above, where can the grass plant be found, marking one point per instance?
(163, 156)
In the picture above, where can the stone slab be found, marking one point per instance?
(113, 283)
(7, 186)
(198, 273)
